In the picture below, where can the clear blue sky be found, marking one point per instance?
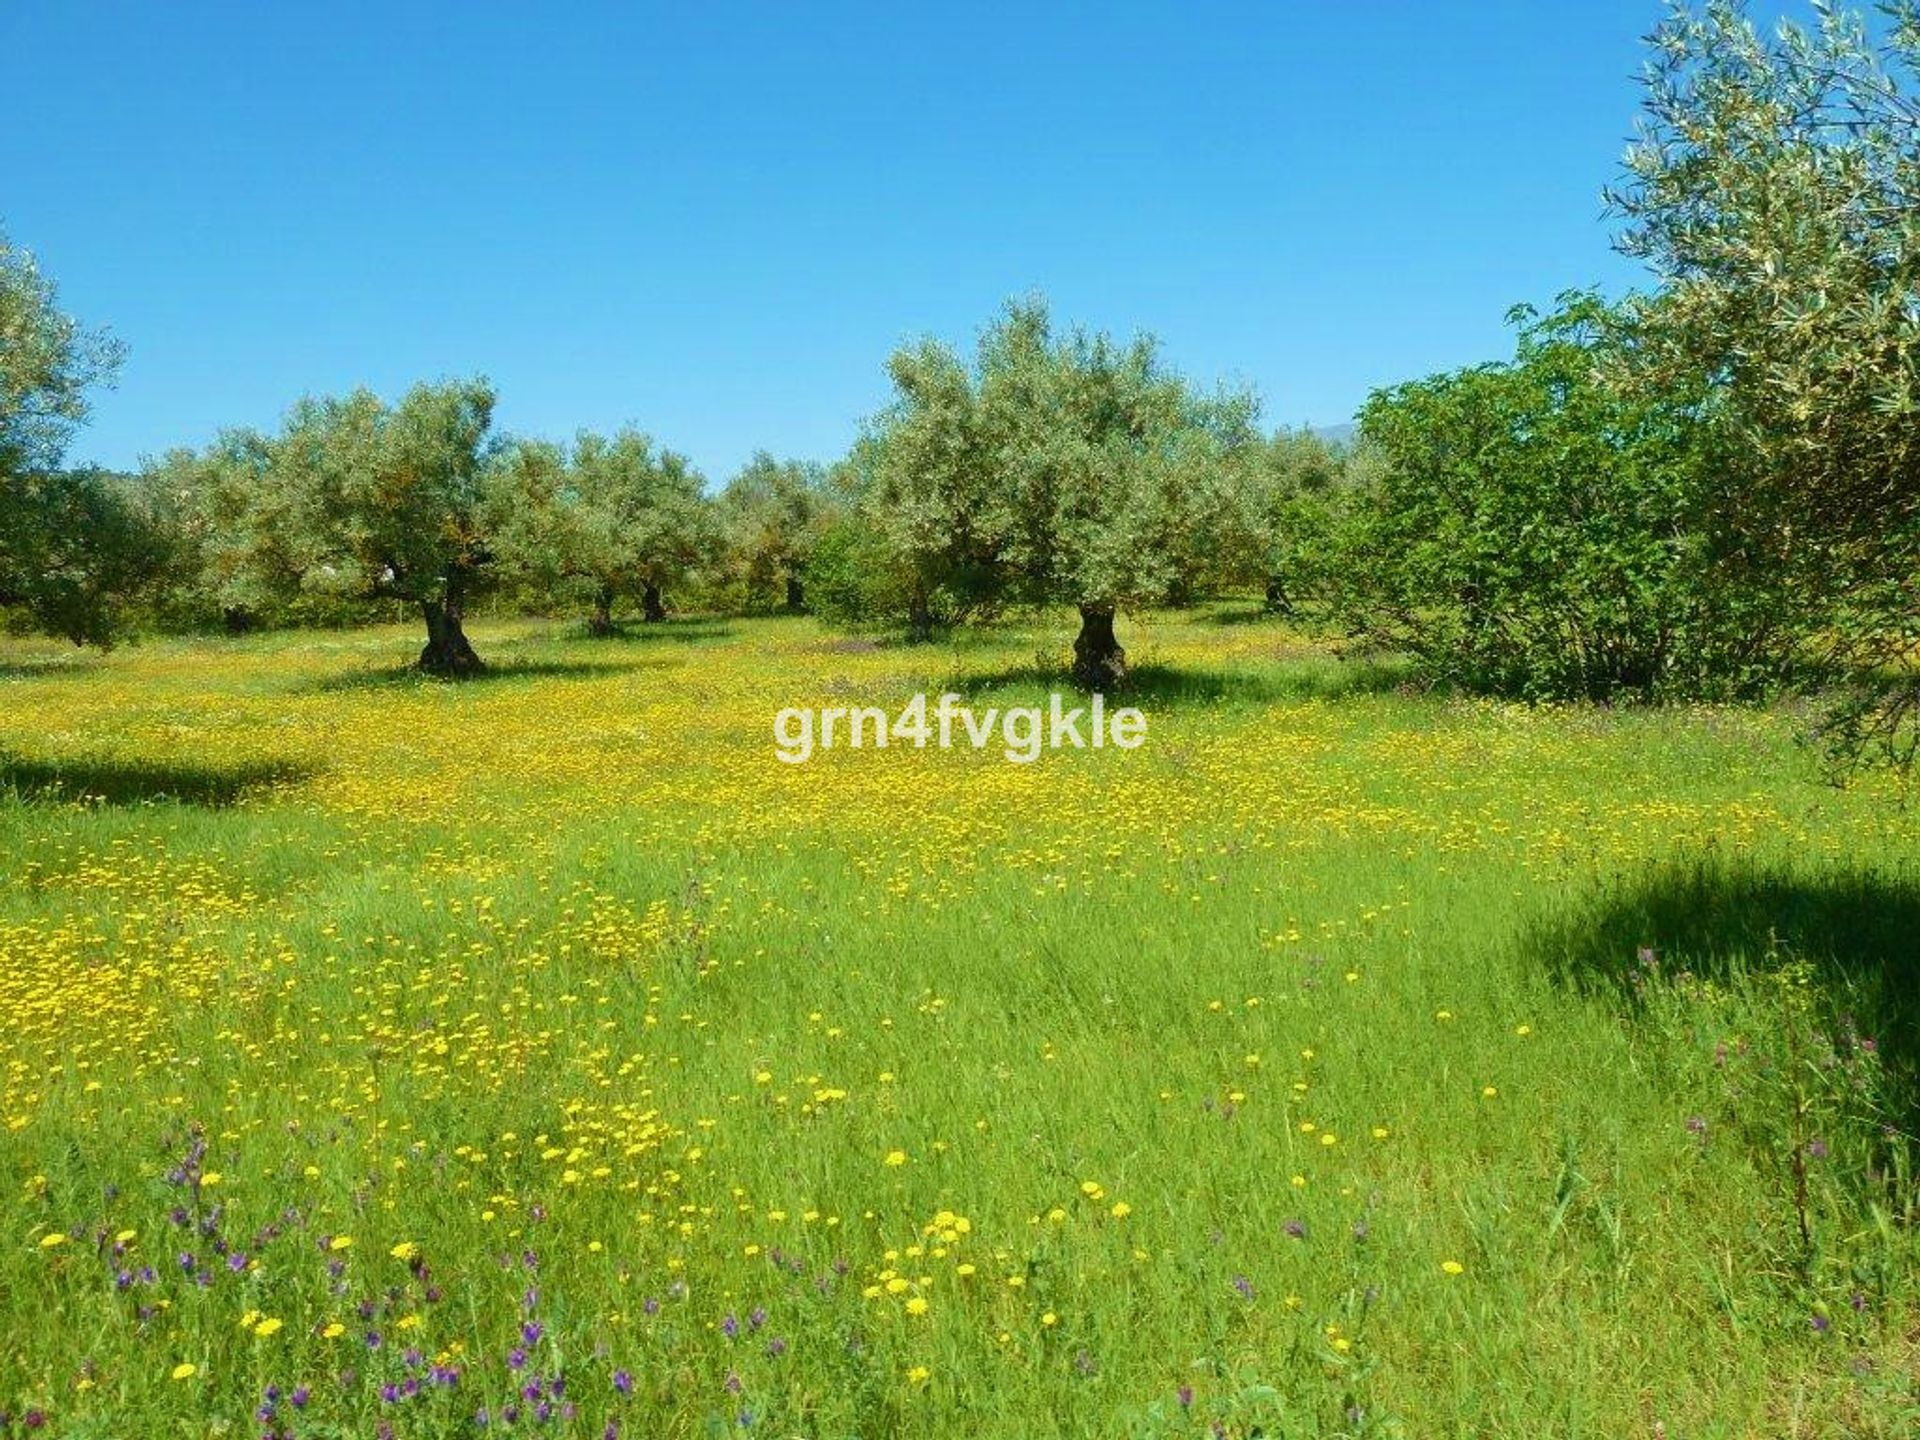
(715, 220)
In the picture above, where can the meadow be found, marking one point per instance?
(538, 1054)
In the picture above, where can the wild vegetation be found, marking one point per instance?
(1475, 1010)
(1341, 1062)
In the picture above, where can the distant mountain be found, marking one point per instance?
(1335, 434)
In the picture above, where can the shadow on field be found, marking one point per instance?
(49, 669)
(1245, 615)
(1860, 933)
(406, 677)
(103, 781)
(667, 632)
(1172, 687)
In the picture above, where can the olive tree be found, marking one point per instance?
(230, 531)
(371, 502)
(1773, 191)
(616, 518)
(82, 552)
(929, 501)
(74, 544)
(1295, 482)
(1057, 469)
(774, 512)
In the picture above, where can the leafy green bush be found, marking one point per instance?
(850, 578)
(1541, 528)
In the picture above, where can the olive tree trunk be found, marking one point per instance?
(1099, 663)
(448, 652)
(652, 607)
(796, 595)
(601, 621)
(919, 616)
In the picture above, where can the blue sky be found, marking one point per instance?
(715, 220)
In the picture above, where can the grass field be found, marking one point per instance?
(392, 1057)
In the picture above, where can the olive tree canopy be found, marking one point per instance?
(1057, 469)
(74, 544)
(1774, 191)
(616, 518)
(368, 501)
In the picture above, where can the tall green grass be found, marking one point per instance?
(1607, 1015)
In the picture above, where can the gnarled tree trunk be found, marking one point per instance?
(652, 607)
(796, 595)
(601, 621)
(919, 616)
(447, 652)
(1099, 663)
(1278, 600)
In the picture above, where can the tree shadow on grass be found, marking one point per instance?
(406, 677)
(103, 781)
(1173, 687)
(1858, 930)
(1245, 615)
(659, 632)
(64, 668)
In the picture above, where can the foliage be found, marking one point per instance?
(1535, 528)
(235, 553)
(616, 520)
(774, 513)
(74, 545)
(371, 502)
(1293, 485)
(79, 549)
(854, 577)
(927, 490)
(1773, 191)
(1057, 469)
(48, 363)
